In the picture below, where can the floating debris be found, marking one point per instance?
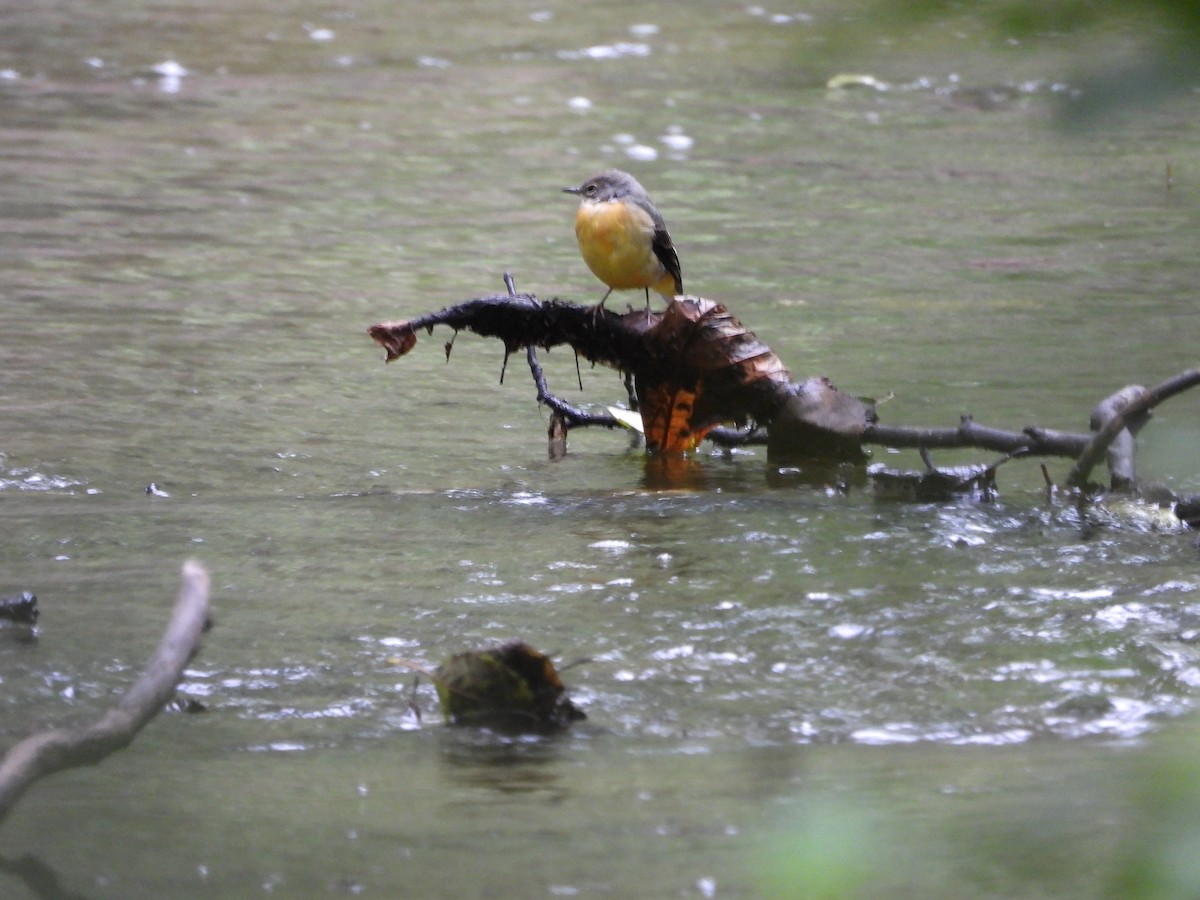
(21, 608)
(511, 685)
(935, 484)
(619, 50)
(628, 418)
(170, 75)
(855, 80)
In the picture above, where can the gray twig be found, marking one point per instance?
(48, 752)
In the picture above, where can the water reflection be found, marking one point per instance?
(506, 763)
(673, 472)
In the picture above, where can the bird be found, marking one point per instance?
(623, 238)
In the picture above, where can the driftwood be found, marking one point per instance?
(694, 367)
(1114, 423)
(697, 349)
(52, 751)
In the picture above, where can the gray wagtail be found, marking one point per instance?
(623, 238)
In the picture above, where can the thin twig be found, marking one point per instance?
(573, 416)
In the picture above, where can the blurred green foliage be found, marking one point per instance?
(1165, 33)
(1127, 825)
(1159, 858)
(1024, 19)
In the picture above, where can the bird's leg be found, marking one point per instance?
(599, 306)
(647, 299)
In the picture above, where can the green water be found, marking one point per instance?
(188, 268)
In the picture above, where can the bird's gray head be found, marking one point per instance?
(608, 185)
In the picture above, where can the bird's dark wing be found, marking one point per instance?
(665, 251)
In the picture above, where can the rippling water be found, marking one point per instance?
(201, 210)
(782, 626)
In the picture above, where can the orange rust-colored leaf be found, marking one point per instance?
(667, 416)
(707, 361)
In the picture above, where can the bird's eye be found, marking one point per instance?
(590, 190)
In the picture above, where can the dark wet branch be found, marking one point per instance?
(1032, 441)
(52, 751)
(694, 364)
(522, 320)
(1115, 422)
(571, 416)
(738, 437)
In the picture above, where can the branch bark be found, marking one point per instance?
(1032, 440)
(52, 751)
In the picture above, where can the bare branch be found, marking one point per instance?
(52, 751)
(1127, 408)
(1035, 441)
(571, 416)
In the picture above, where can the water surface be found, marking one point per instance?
(202, 209)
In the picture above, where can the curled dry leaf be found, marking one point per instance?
(397, 338)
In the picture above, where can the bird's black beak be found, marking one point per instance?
(571, 190)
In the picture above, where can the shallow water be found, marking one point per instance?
(190, 260)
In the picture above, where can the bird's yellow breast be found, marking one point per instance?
(616, 239)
